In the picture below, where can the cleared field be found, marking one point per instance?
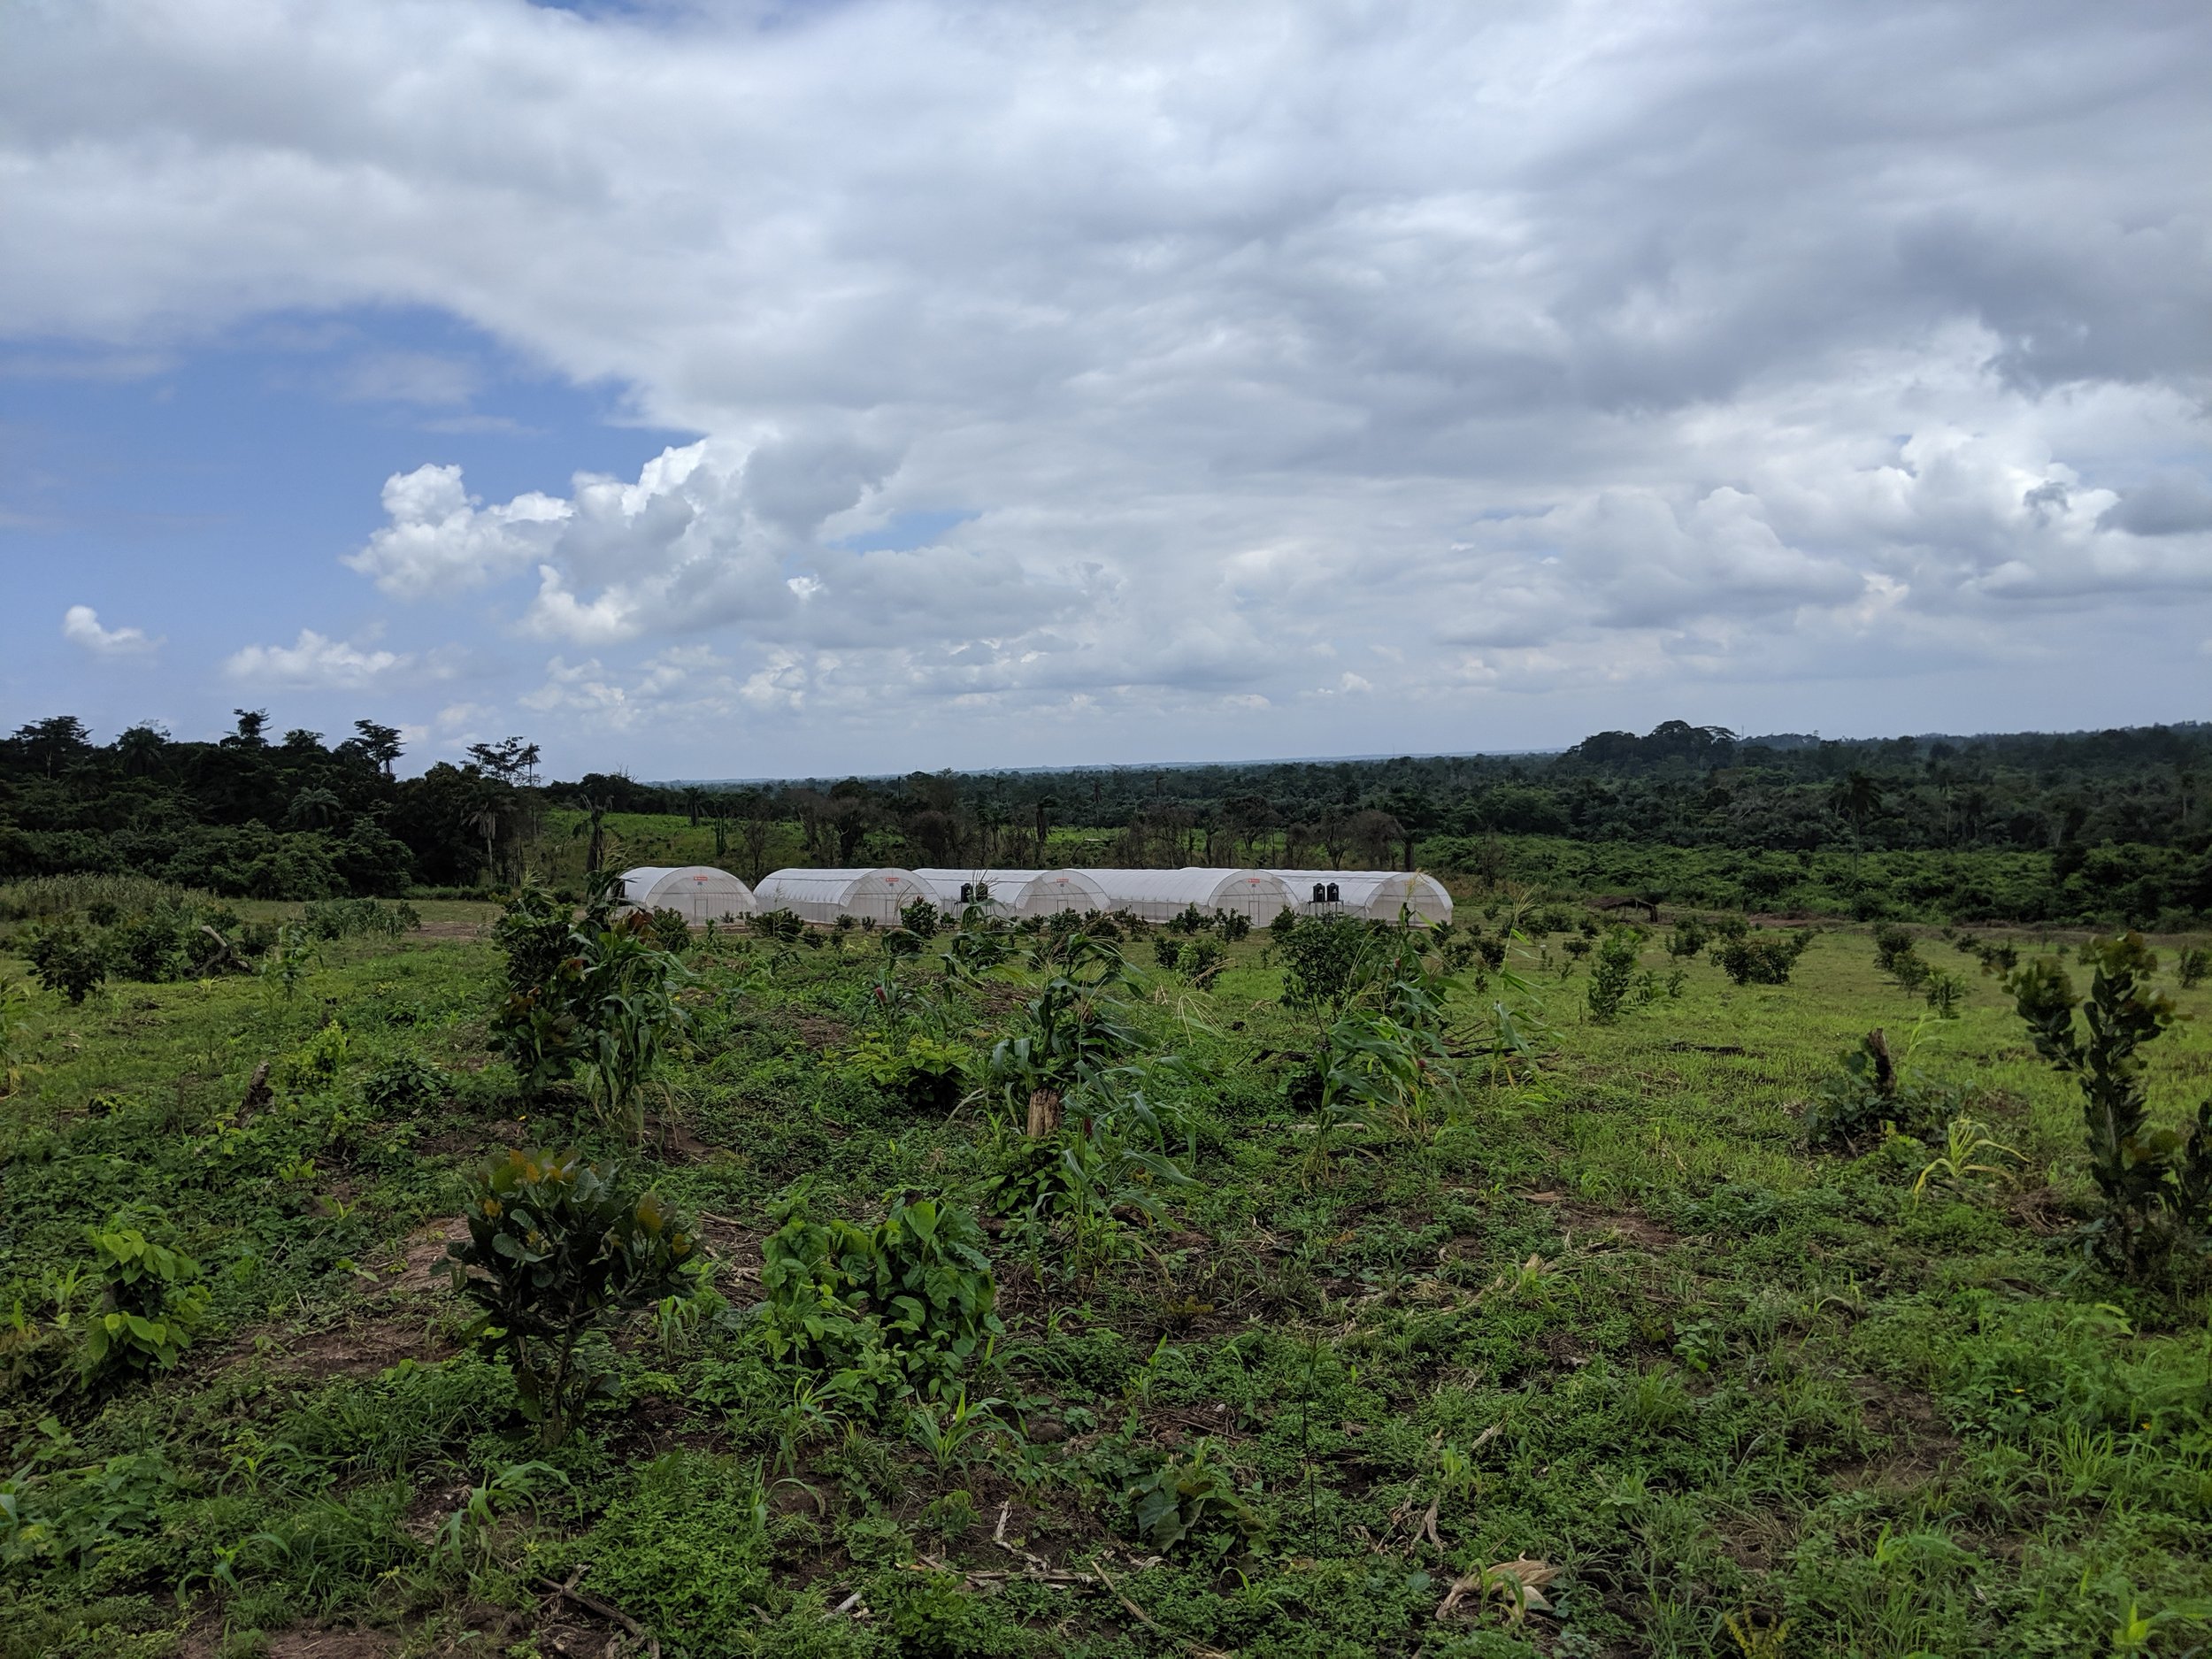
(1597, 1359)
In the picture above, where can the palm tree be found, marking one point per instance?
(1856, 798)
(140, 749)
(314, 808)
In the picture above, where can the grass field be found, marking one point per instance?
(1610, 1323)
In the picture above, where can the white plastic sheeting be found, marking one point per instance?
(1014, 893)
(1160, 895)
(823, 895)
(999, 891)
(698, 892)
(1377, 893)
(1057, 890)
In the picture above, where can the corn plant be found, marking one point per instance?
(1072, 1028)
(464, 1542)
(1967, 1146)
(948, 1435)
(554, 1250)
(285, 969)
(626, 999)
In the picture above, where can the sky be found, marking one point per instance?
(760, 389)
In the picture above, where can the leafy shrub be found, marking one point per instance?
(670, 931)
(1687, 938)
(1761, 959)
(783, 925)
(554, 1248)
(1895, 957)
(2156, 1184)
(924, 1073)
(1614, 972)
(314, 1064)
(1320, 958)
(1191, 958)
(2194, 967)
(1852, 1108)
(400, 1084)
(910, 1300)
(1193, 1501)
(67, 961)
(151, 1304)
(920, 918)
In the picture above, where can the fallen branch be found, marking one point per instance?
(593, 1604)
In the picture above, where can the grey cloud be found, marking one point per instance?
(2173, 505)
(1523, 343)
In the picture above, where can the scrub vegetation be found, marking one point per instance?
(509, 1281)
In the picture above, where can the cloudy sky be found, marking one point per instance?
(739, 389)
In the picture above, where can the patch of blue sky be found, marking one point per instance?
(206, 491)
(903, 532)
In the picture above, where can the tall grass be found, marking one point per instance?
(40, 897)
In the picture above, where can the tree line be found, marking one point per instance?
(2115, 821)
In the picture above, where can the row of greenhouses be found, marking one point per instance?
(702, 894)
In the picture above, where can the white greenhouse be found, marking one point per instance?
(999, 891)
(1057, 890)
(697, 893)
(1160, 895)
(1379, 894)
(823, 895)
(1014, 893)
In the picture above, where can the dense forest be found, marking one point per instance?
(2086, 827)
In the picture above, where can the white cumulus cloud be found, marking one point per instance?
(80, 627)
(314, 662)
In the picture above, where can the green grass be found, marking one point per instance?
(1615, 1318)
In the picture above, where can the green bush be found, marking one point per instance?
(400, 1084)
(1852, 1108)
(555, 1247)
(2156, 1184)
(1194, 1502)
(67, 961)
(151, 1304)
(1761, 958)
(1320, 958)
(923, 1072)
(910, 1300)
(1613, 972)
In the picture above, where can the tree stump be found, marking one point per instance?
(1044, 1113)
